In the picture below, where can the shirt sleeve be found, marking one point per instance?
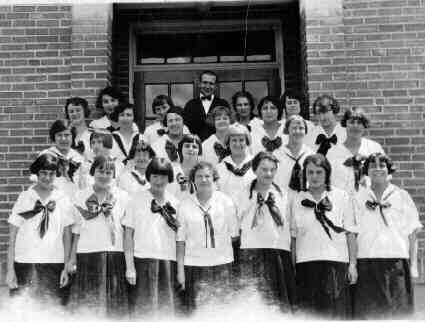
(349, 215)
(128, 219)
(69, 215)
(411, 212)
(14, 218)
(182, 229)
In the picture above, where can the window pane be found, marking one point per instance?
(227, 89)
(258, 89)
(152, 90)
(181, 93)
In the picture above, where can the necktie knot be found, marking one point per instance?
(206, 98)
(46, 210)
(161, 132)
(221, 151)
(238, 172)
(271, 145)
(325, 143)
(167, 212)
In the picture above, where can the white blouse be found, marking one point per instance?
(121, 151)
(104, 123)
(208, 152)
(29, 246)
(132, 181)
(159, 147)
(312, 242)
(263, 231)
(311, 137)
(100, 233)
(198, 235)
(153, 238)
(386, 235)
(258, 133)
(151, 132)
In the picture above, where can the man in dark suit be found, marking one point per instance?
(197, 111)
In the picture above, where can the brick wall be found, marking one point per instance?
(372, 54)
(45, 56)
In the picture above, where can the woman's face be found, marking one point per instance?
(222, 122)
(355, 128)
(76, 113)
(126, 118)
(161, 110)
(46, 178)
(109, 103)
(204, 179)
(326, 118)
(293, 106)
(174, 124)
(158, 182)
(296, 131)
(269, 112)
(316, 176)
(141, 159)
(190, 151)
(237, 144)
(243, 108)
(266, 172)
(63, 140)
(103, 176)
(378, 171)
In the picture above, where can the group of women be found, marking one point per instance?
(122, 223)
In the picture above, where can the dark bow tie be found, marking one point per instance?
(38, 207)
(356, 162)
(184, 183)
(238, 172)
(373, 204)
(274, 211)
(209, 227)
(79, 147)
(67, 167)
(167, 212)
(162, 132)
(319, 210)
(206, 97)
(221, 151)
(138, 179)
(295, 182)
(171, 150)
(94, 208)
(325, 142)
(271, 145)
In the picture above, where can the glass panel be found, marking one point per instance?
(258, 89)
(227, 89)
(152, 90)
(181, 93)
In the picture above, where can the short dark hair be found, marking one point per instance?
(291, 119)
(111, 91)
(145, 147)
(45, 161)
(203, 165)
(189, 138)
(325, 103)
(263, 155)
(101, 161)
(106, 137)
(120, 108)
(77, 101)
(174, 110)
(59, 126)
(272, 100)
(382, 158)
(208, 72)
(355, 113)
(250, 99)
(160, 166)
(218, 110)
(160, 100)
(290, 93)
(319, 160)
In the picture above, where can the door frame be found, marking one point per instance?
(185, 26)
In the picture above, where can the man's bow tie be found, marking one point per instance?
(206, 97)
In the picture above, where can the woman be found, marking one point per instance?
(149, 243)
(265, 255)
(350, 155)
(125, 138)
(243, 107)
(190, 151)
(292, 155)
(134, 179)
(167, 145)
(387, 255)
(40, 236)
(291, 103)
(207, 224)
(269, 137)
(97, 248)
(323, 242)
(214, 148)
(235, 171)
(76, 111)
(106, 101)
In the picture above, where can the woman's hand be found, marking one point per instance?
(352, 273)
(11, 279)
(130, 275)
(181, 280)
(64, 279)
(71, 266)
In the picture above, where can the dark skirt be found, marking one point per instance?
(205, 285)
(323, 289)
(154, 292)
(100, 285)
(383, 290)
(271, 273)
(41, 282)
